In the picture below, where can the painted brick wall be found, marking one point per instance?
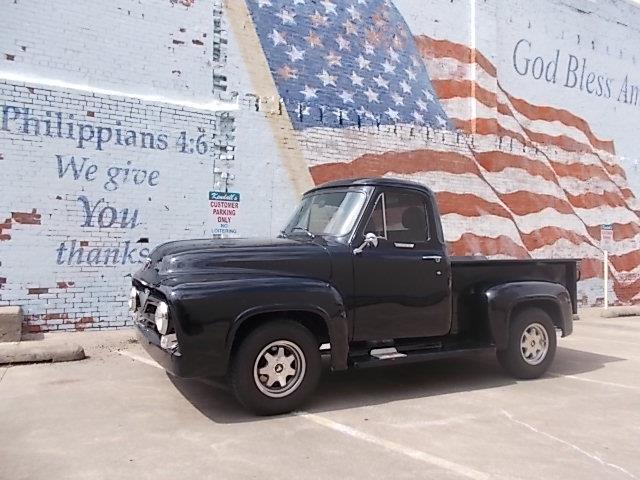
(102, 106)
(111, 139)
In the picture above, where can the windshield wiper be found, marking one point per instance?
(282, 234)
(302, 229)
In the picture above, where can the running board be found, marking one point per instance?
(390, 356)
(386, 353)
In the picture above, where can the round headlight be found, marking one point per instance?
(162, 318)
(133, 299)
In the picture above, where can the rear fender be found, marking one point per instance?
(504, 300)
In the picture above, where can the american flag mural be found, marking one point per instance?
(354, 66)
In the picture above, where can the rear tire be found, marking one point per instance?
(532, 344)
(276, 368)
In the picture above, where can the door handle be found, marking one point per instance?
(434, 258)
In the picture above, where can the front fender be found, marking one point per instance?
(303, 295)
(501, 301)
(210, 313)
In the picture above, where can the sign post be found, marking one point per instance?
(606, 241)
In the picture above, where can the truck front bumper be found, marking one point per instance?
(172, 361)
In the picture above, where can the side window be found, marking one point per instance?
(406, 217)
(400, 217)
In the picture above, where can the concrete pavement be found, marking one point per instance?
(117, 415)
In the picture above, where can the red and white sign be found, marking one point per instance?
(606, 237)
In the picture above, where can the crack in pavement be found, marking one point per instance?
(4, 373)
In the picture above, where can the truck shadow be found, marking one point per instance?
(377, 386)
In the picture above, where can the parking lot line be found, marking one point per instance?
(589, 380)
(155, 364)
(434, 460)
(599, 339)
(140, 359)
(569, 444)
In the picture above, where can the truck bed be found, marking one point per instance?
(469, 272)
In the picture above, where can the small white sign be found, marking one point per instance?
(606, 237)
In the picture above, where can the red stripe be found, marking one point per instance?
(395, 162)
(471, 244)
(549, 235)
(593, 200)
(469, 205)
(448, 89)
(580, 171)
(566, 143)
(550, 114)
(496, 161)
(525, 203)
(613, 169)
(627, 193)
(432, 48)
(625, 262)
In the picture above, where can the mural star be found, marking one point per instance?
(318, 20)
(277, 38)
(295, 54)
(327, 79)
(314, 40)
(381, 82)
(309, 93)
(356, 79)
(346, 97)
(333, 59)
(372, 96)
(393, 114)
(329, 7)
(287, 17)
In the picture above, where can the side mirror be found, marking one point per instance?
(370, 240)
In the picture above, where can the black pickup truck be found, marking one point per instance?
(360, 273)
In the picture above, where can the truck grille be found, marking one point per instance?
(145, 309)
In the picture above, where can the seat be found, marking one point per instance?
(414, 222)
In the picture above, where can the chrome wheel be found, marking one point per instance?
(534, 344)
(279, 369)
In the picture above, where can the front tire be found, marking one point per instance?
(276, 368)
(532, 345)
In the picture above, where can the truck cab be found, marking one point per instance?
(361, 270)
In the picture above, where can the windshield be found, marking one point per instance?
(326, 213)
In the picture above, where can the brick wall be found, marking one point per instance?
(118, 120)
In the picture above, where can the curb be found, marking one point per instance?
(38, 351)
(615, 312)
(10, 324)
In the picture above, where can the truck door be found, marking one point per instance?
(402, 285)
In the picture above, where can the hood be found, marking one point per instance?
(204, 260)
